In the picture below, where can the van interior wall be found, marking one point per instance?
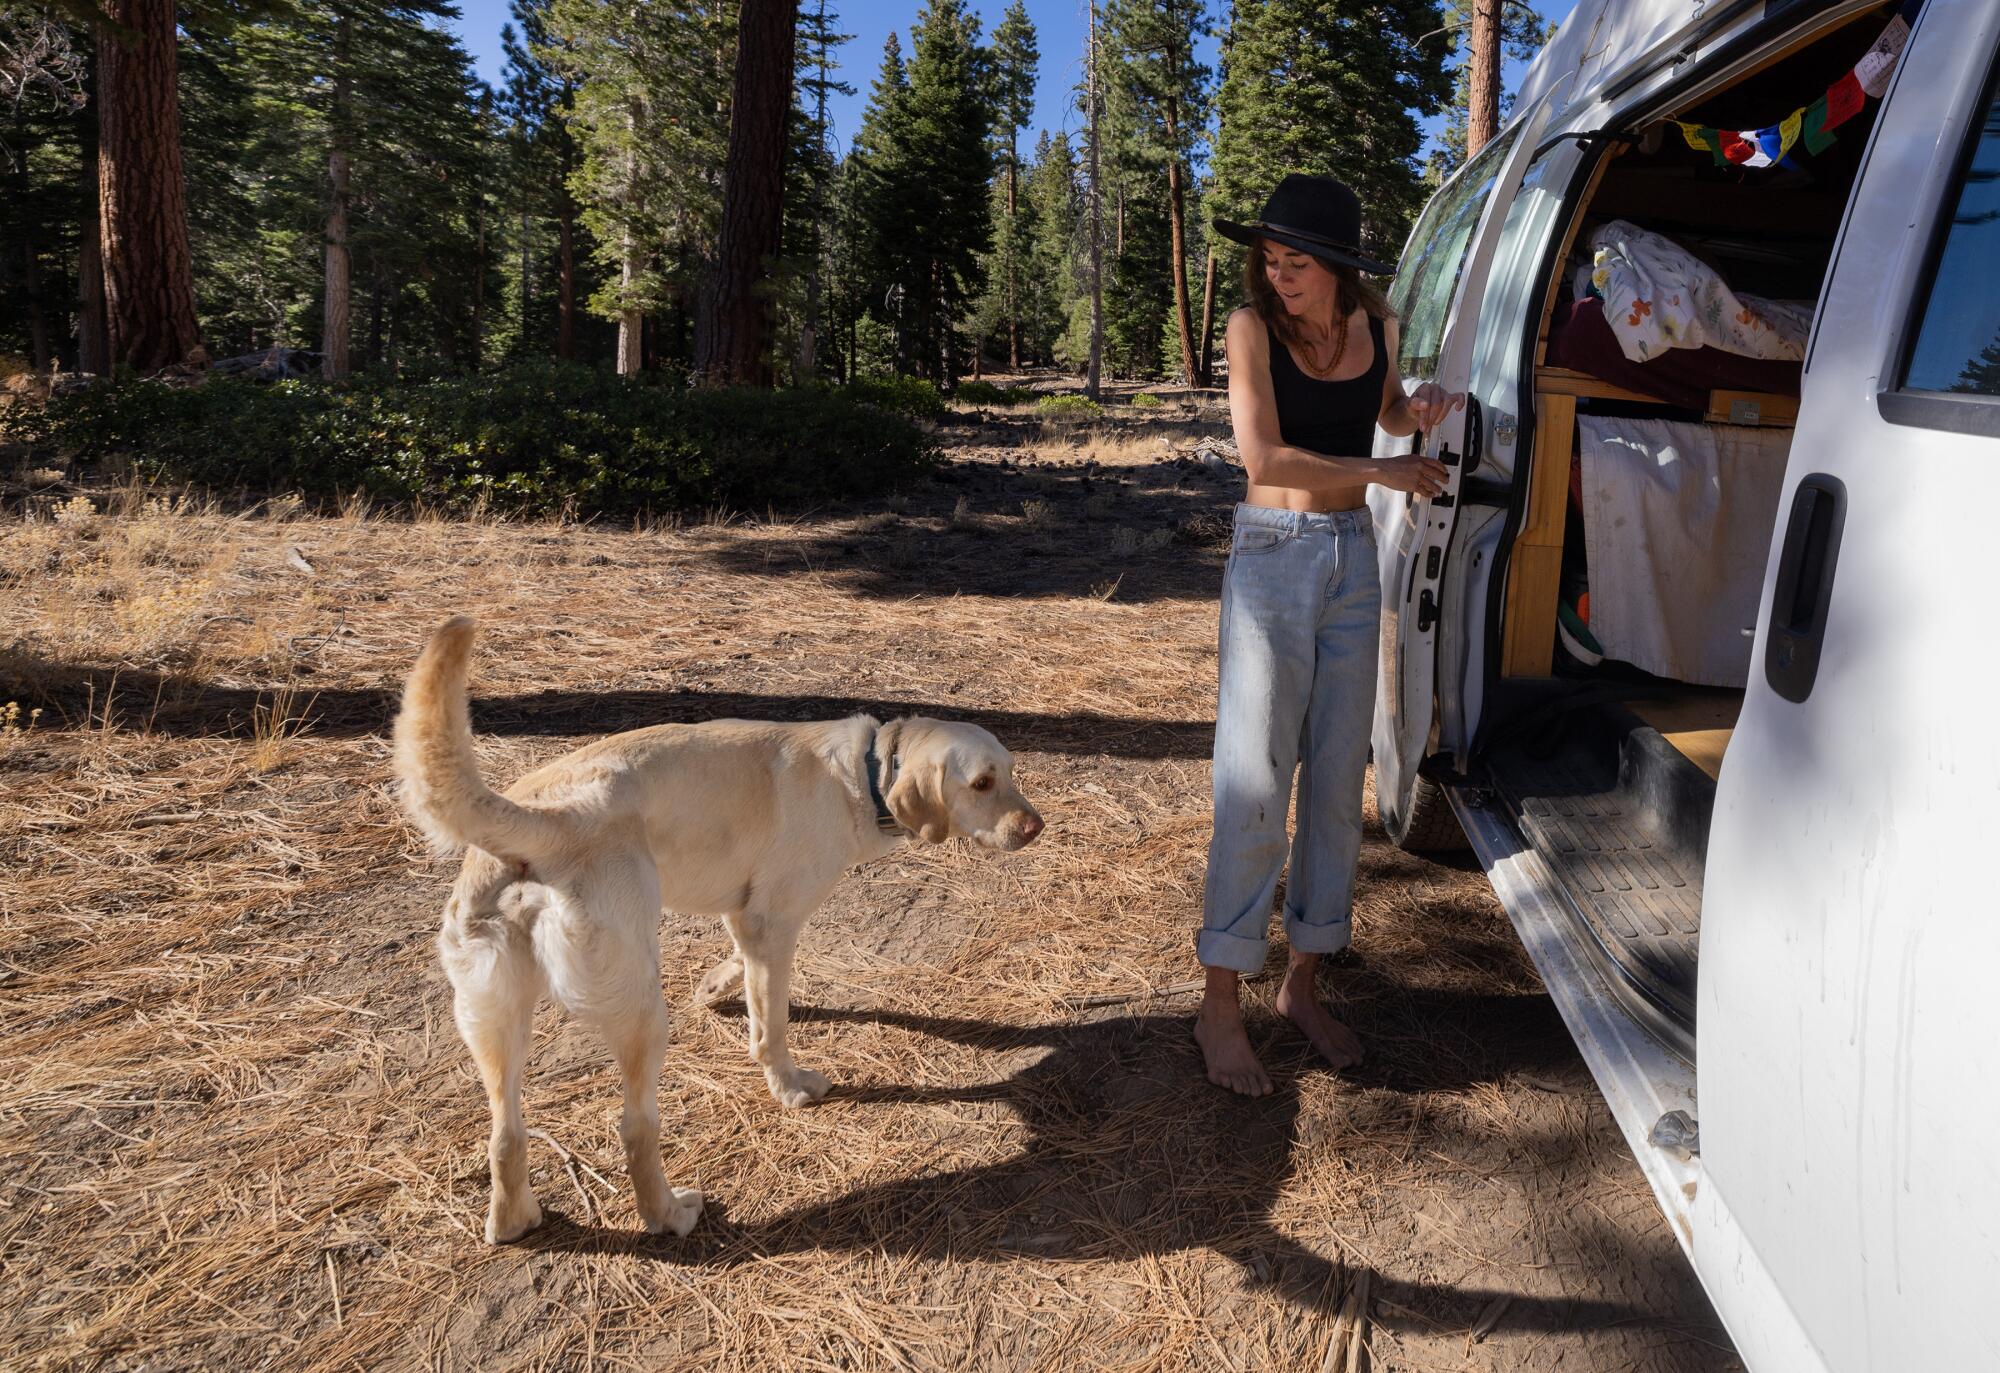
(1768, 232)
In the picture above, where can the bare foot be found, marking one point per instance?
(1336, 1043)
(1225, 1047)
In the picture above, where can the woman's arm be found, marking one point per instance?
(1268, 459)
(1403, 415)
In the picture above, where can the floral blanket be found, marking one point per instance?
(1657, 295)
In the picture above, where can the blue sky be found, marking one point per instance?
(1059, 27)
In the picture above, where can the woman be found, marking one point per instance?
(1312, 372)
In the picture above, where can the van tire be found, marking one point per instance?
(1429, 824)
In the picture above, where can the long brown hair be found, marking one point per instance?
(1350, 293)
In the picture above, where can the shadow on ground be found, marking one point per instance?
(1020, 529)
(1116, 1132)
(75, 698)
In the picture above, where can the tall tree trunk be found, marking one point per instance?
(732, 330)
(527, 276)
(809, 330)
(1013, 266)
(1093, 376)
(1208, 321)
(93, 340)
(631, 345)
(335, 324)
(1177, 215)
(479, 293)
(142, 195)
(566, 281)
(93, 331)
(377, 311)
(1483, 116)
(566, 212)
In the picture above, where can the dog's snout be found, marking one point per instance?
(1030, 826)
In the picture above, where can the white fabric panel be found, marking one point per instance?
(1677, 521)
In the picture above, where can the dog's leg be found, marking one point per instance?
(494, 1005)
(640, 1043)
(767, 982)
(724, 978)
(610, 980)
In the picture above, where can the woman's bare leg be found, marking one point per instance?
(1225, 1044)
(1299, 999)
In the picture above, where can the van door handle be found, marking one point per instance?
(1805, 585)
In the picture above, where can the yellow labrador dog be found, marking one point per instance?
(567, 872)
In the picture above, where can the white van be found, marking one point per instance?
(1698, 650)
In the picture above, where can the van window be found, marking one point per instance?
(1958, 342)
(1428, 275)
(1950, 377)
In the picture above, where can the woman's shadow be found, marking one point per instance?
(1123, 1158)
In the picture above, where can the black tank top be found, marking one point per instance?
(1332, 417)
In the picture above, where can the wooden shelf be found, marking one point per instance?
(1724, 407)
(1562, 381)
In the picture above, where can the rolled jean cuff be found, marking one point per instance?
(1331, 937)
(1219, 949)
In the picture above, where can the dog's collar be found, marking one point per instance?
(885, 819)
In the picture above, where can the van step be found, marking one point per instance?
(1620, 817)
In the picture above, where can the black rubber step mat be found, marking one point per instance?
(1590, 813)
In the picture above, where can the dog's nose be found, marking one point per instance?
(1031, 825)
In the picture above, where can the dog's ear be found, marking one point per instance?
(917, 801)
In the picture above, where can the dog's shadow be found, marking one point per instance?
(1122, 1160)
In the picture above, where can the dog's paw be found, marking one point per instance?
(724, 978)
(803, 1088)
(505, 1224)
(683, 1209)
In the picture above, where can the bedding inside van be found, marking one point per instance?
(1581, 339)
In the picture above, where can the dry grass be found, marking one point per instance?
(238, 1129)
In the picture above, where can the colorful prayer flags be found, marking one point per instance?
(1817, 139)
(1814, 124)
(1878, 64)
(1843, 101)
(1696, 136)
(1788, 131)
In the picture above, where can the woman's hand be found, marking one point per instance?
(1430, 403)
(1412, 472)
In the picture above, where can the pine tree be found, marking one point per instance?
(142, 193)
(43, 90)
(1334, 87)
(947, 164)
(652, 120)
(538, 99)
(733, 331)
(809, 185)
(1167, 92)
(1015, 61)
(921, 165)
(875, 184)
(1054, 298)
(1522, 33)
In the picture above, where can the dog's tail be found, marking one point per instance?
(439, 775)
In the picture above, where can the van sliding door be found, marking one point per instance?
(1850, 934)
(1438, 296)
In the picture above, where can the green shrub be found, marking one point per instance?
(531, 439)
(1069, 408)
(912, 396)
(1146, 400)
(986, 393)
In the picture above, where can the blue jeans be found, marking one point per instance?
(1301, 626)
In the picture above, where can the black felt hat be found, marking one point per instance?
(1317, 216)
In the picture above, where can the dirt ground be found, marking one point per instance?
(237, 1128)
